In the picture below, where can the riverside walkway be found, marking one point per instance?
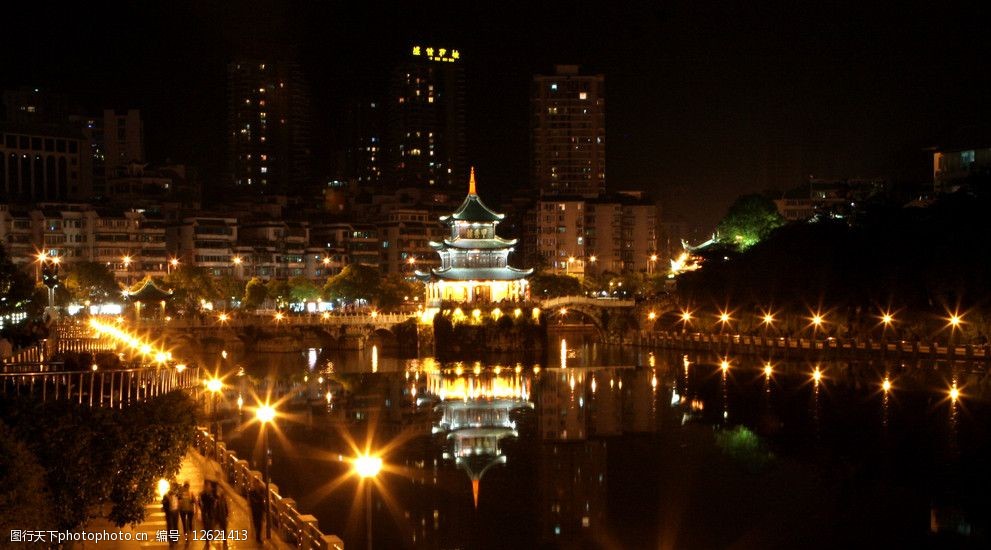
(195, 469)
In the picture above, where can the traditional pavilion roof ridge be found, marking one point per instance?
(145, 289)
(506, 273)
(473, 209)
(483, 244)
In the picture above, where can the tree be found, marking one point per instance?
(255, 293)
(92, 281)
(354, 282)
(229, 289)
(394, 290)
(117, 454)
(190, 285)
(279, 291)
(24, 499)
(549, 285)
(749, 220)
(302, 289)
(16, 287)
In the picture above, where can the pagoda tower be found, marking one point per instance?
(473, 259)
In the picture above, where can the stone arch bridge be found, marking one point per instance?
(266, 333)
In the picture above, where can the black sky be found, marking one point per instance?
(705, 100)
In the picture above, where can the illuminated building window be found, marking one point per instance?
(554, 87)
(582, 95)
(264, 169)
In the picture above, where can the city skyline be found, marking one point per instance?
(706, 103)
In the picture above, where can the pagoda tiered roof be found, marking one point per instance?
(473, 209)
(497, 243)
(481, 273)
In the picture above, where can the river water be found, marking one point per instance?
(622, 448)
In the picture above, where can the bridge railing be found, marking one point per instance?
(97, 388)
(242, 320)
(565, 301)
(298, 529)
(745, 342)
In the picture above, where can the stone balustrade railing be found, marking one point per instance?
(294, 527)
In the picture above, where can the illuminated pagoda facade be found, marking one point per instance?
(473, 259)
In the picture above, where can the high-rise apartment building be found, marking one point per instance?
(365, 150)
(568, 133)
(427, 119)
(123, 140)
(269, 125)
(575, 235)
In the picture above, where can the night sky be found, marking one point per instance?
(704, 102)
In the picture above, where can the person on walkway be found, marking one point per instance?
(207, 502)
(170, 506)
(187, 508)
(256, 500)
(221, 512)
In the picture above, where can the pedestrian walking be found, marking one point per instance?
(256, 501)
(207, 501)
(187, 508)
(221, 512)
(170, 506)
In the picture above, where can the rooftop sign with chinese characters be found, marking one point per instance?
(442, 55)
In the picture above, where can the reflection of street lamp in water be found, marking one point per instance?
(367, 467)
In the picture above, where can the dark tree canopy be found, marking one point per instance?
(91, 281)
(549, 285)
(190, 285)
(16, 287)
(354, 282)
(749, 220)
(255, 293)
(924, 261)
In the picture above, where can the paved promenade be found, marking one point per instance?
(195, 469)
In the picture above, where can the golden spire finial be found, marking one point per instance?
(474, 491)
(471, 182)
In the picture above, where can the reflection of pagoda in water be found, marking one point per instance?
(474, 260)
(476, 416)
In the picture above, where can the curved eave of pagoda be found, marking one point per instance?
(473, 210)
(481, 274)
(480, 244)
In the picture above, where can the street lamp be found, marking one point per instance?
(653, 260)
(173, 264)
(42, 258)
(126, 259)
(367, 467)
(214, 385)
(265, 414)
